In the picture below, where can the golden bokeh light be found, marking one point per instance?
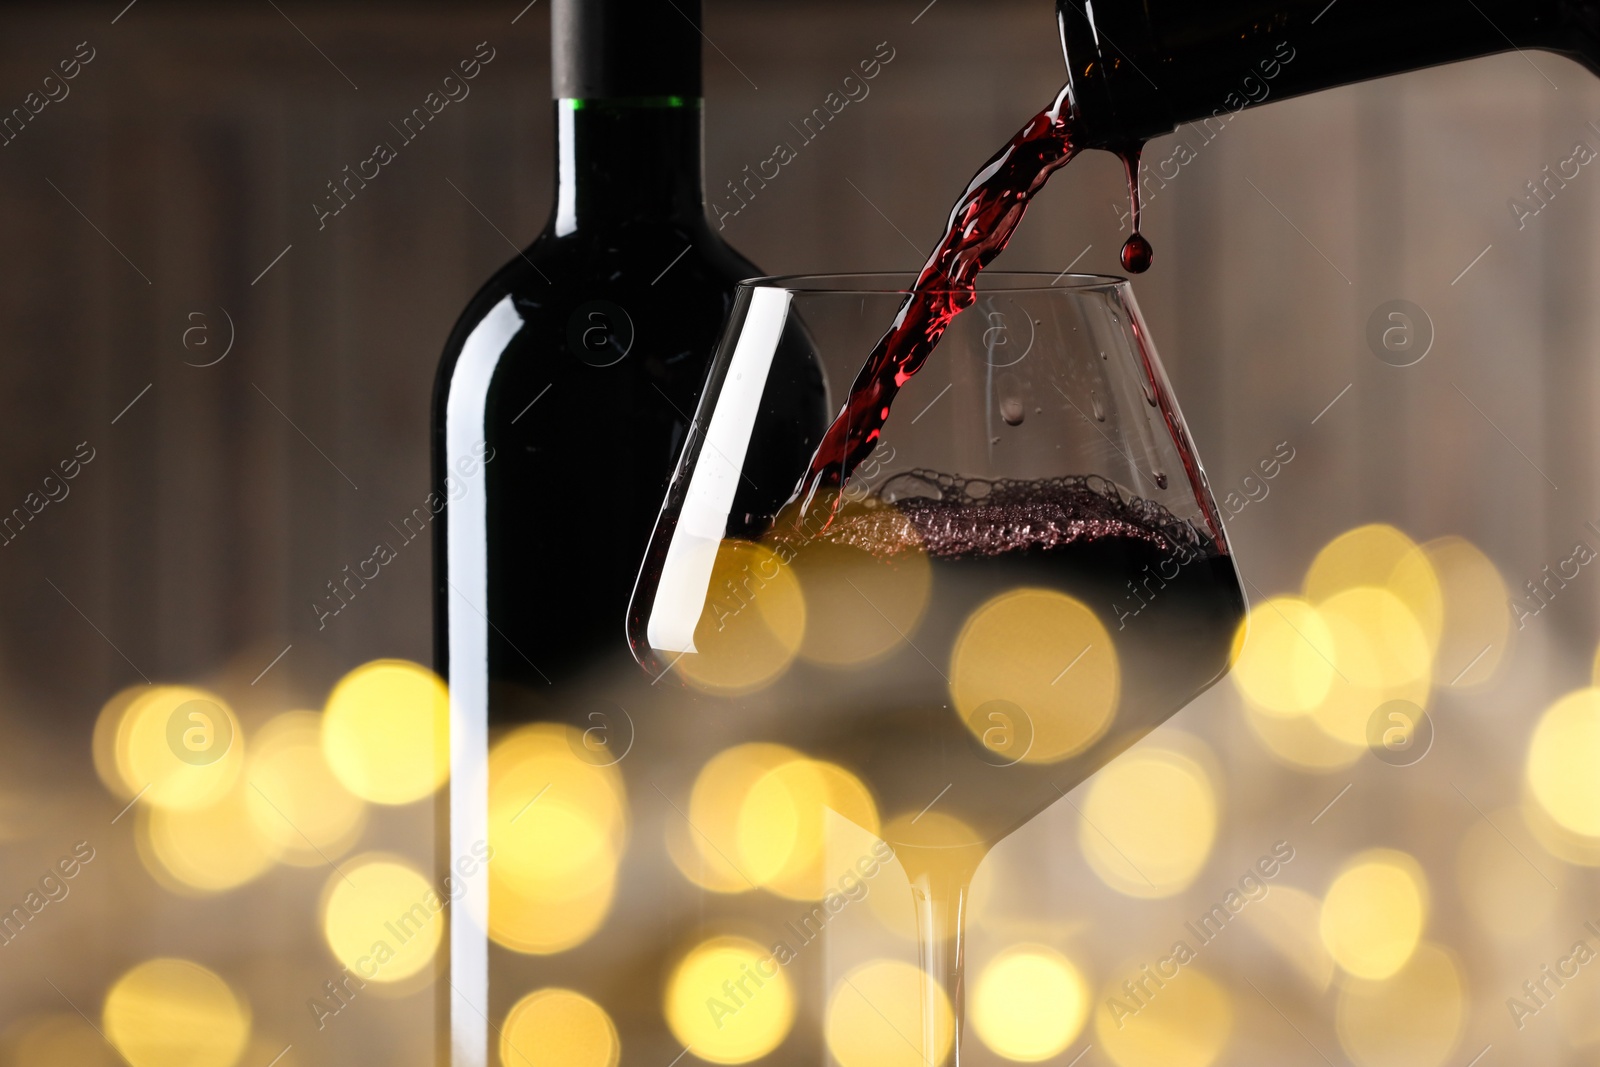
(558, 825)
(1186, 1024)
(1563, 758)
(1555, 839)
(1289, 920)
(554, 852)
(1380, 601)
(787, 826)
(542, 925)
(860, 606)
(1374, 912)
(1379, 654)
(61, 1040)
(178, 746)
(935, 847)
(558, 1028)
(1381, 557)
(751, 626)
(765, 816)
(381, 918)
(1283, 657)
(1412, 1020)
(730, 1001)
(1364, 555)
(1510, 900)
(715, 805)
(175, 1013)
(1049, 656)
(686, 847)
(204, 850)
(875, 1017)
(1378, 643)
(295, 802)
(1477, 630)
(1347, 714)
(386, 731)
(1300, 743)
(107, 739)
(1379, 618)
(1148, 822)
(552, 813)
(892, 902)
(1029, 1003)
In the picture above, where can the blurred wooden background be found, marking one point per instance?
(199, 137)
(172, 190)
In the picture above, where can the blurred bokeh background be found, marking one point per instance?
(243, 399)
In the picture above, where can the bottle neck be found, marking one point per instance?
(1140, 68)
(626, 161)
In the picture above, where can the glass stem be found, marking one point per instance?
(941, 898)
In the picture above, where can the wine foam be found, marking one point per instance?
(951, 517)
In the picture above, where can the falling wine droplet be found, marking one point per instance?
(1011, 410)
(1150, 395)
(1137, 254)
(1161, 479)
(1136, 251)
(1099, 409)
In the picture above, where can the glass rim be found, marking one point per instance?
(900, 282)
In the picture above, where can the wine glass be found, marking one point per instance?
(1025, 574)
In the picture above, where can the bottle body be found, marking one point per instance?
(1140, 69)
(563, 397)
(573, 375)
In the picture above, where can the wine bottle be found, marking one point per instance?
(567, 384)
(563, 396)
(1141, 68)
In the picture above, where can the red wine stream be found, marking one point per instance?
(980, 226)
